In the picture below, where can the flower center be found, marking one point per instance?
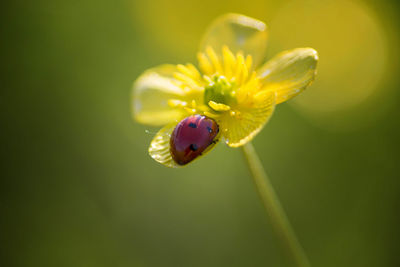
(220, 90)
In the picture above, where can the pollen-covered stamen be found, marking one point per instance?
(218, 106)
(233, 67)
(229, 61)
(212, 115)
(205, 64)
(226, 86)
(189, 70)
(231, 82)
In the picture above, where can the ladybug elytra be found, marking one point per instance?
(191, 137)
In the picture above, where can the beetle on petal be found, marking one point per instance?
(232, 91)
(191, 137)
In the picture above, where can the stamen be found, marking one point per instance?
(205, 64)
(229, 78)
(184, 70)
(207, 79)
(229, 61)
(186, 79)
(193, 69)
(211, 115)
(218, 106)
(220, 90)
(214, 59)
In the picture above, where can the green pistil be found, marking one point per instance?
(220, 90)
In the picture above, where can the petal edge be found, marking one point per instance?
(159, 148)
(289, 72)
(239, 33)
(150, 95)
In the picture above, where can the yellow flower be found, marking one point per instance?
(231, 86)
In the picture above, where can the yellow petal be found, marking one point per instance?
(239, 33)
(240, 126)
(160, 151)
(159, 148)
(152, 93)
(289, 73)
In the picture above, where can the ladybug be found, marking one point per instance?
(191, 137)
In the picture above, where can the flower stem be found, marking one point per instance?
(273, 207)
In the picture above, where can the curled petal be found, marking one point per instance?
(289, 73)
(154, 92)
(239, 33)
(240, 126)
(159, 148)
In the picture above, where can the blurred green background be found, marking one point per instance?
(79, 189)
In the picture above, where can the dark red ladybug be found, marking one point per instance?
(191, 137)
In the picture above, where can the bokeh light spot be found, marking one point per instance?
(352, 49)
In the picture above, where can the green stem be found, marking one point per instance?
(273, 207)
